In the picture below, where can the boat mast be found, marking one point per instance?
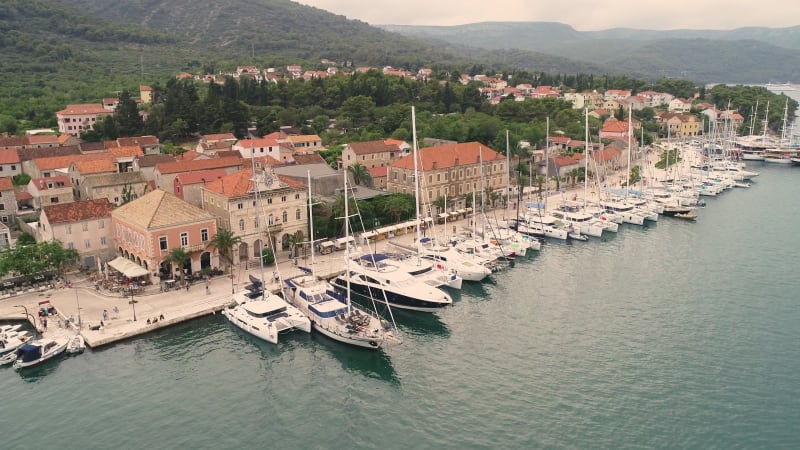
(347, 241)
(311, 227)
(256, 193)
(628, 175)
(508, 175)
(546, 161)
(586, 156)
(753, 118)
(416, 178)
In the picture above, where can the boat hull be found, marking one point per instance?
(395, 299)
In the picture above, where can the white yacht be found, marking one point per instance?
(333, 315)
(580, 220)
(469, 267)
(375, 276)
(264, 314)
(432, 274)
(625, 210)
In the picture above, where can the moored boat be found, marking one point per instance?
(34, 353)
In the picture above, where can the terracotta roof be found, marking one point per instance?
(200, 164)
(100, 165)
(27, 154)
(92, 146)
(11, 142)
(277, 135)
(6, 184)
(86, 108)
(378, 172)
(158, 209)
(64, 138)
(304, 138)
(9, 156)
(41, 183)
(227, 153)
(113, 179)
(137, 140)
(263, 142)
(240, 184)
(152, 160)
(396, 142)
(23, 195)
(217, 145)
(615, 126)
(127, 151)
(605, 155)
(219, 137)
(78, 211)
(190, 156)
(365, 148)
(560, 139)
(562, 161)
(42, 139)
(311, 158)
(57, 162)
(446, 155)
(145, 88)
(201, 176)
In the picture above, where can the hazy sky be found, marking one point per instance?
(583, 15)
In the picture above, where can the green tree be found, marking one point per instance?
(21, 179)
(360, 174)
(225, 241)
(126, 116)
(358, 110)
(26, 239)
(399, 206)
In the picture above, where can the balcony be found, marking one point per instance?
(275, 227)
(195, 248)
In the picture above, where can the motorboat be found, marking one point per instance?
(431, 273)
(333, 315)
(264, 314)
(625, 210)
(580, 220)
(12, 341)
(76, 345)
(377, 277)
(9, 328)
(35, 353)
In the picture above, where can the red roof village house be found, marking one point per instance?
(84, 226)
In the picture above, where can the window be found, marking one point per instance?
(70, 246)
(53, 200)
(297, 214)
(297, 196)
(162, 243)
(240, 206)
(69, 228)
(184, 239)
(87, 243)
(13, 167)
(85, 226)
(283, 198)
(101, 224)
(204, 235)
(285, 217)
(241, 224)
(103, 241)
(269, 201)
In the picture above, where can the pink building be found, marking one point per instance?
(77, 119)
(148, 228)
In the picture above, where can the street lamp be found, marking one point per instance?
(79, 308)
(33, 321)
(133, 303)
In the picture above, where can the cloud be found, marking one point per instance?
(582, 15)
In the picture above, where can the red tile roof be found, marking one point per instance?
(365, 148)
(219, 137)
(23, 195)
(444, 156)
(78, 211)
(378, 172)
(81, 109)
(201, 176)
(615, 126)
(199, 164)
(9, 157)
(240, 183)
(41, 183)
(91, 166)
(137, 141)
(311, 158)
(38, 139)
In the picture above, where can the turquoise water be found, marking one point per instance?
(673, 335)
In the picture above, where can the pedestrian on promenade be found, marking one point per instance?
(105, 315)
(187, 286)
(116, 312)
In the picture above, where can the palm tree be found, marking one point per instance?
(359, 173)
(398, 206)
(294, 241)
(224, 241)
(178, 257)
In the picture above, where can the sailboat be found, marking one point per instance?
(259, 312)
(333, 314)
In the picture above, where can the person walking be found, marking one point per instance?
(105, 315)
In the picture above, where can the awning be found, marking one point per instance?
(128, 268)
